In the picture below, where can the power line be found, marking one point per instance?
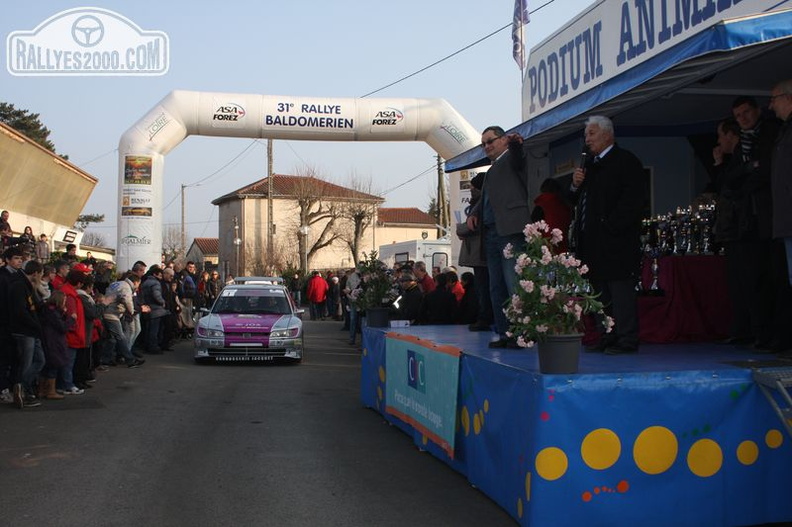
(455, 53)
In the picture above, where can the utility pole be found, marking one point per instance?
(443, 209)
(237, 243)
(270, 214)
(183, 232)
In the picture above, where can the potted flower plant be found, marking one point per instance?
(377, 292)
(551, 297)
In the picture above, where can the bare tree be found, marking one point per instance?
(94, 239)
(258, 263)
(358, 213)
(171, 243)
(314, 210)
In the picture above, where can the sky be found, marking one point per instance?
(340, 48)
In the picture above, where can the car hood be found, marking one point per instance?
(233, 322)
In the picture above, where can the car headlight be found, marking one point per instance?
(284, 333)
(214, 333)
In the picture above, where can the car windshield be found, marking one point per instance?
(253, 302)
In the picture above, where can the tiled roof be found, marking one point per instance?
(208, 246)
(290, 187)
(409, 215)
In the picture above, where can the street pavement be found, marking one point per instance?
(178, 444)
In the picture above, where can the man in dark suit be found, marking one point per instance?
(609, 195)
(502, 213)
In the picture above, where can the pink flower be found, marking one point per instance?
(525, 343)
(542, 328)
(508, 251)
(527, 285)
(583, 269)
(547, 256)
(556, 236)
(547, 292)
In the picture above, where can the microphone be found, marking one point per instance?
(583, 157)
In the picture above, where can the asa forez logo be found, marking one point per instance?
(455, 132)
(228, 113)
(87, 41)
(131, 239)
(387, 117)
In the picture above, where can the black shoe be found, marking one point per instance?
(620, 349)
(156, 351)
(478, 326)
(763, 346)
(137, 354)
(599, 347)
(500, 343)
(737, 341)
(30, 401)
(512, 344)
(137, 364)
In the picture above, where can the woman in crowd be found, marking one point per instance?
(27, 241)
(55, 323)
(215, 286)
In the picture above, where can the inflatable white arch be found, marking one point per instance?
(181, 113)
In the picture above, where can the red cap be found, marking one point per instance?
(81, 267)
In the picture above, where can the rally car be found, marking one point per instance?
(253, 319)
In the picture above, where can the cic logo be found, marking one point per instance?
(416, 371)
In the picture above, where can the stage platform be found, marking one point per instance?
(677, 434)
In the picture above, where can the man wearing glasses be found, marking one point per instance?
(502, 214)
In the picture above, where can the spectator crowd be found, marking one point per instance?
(64, 322)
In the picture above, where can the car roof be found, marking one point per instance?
(252, 287)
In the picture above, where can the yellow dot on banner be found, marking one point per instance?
(705, 458)
(365, 352)
(481, 417)
(486, 405)
(464, 418)
(528, 486)
(655, 449)
(476, 424)
(379, 393)
(747, 452)
(424, 440)
(519, 508)
(774, 438)
(551, 463)
(382, 374)
(600, 449)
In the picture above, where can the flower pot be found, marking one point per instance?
(559, 353)
(377, 317)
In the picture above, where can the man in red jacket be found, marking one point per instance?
(317, 294)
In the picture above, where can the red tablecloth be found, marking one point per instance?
(696, 305)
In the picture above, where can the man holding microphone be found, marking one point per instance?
(610, 197)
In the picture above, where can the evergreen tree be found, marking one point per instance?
(26, 123)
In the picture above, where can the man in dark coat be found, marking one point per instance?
(781, 178)
(609, 194)
(757, 136)
(502, 212)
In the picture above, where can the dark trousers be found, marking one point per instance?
(746, 277)
(481, 275)
(82, 365)
(621, 303)
(153, 334)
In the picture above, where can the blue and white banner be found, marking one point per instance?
(521, 19)
(422, 379)
(614, 36)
